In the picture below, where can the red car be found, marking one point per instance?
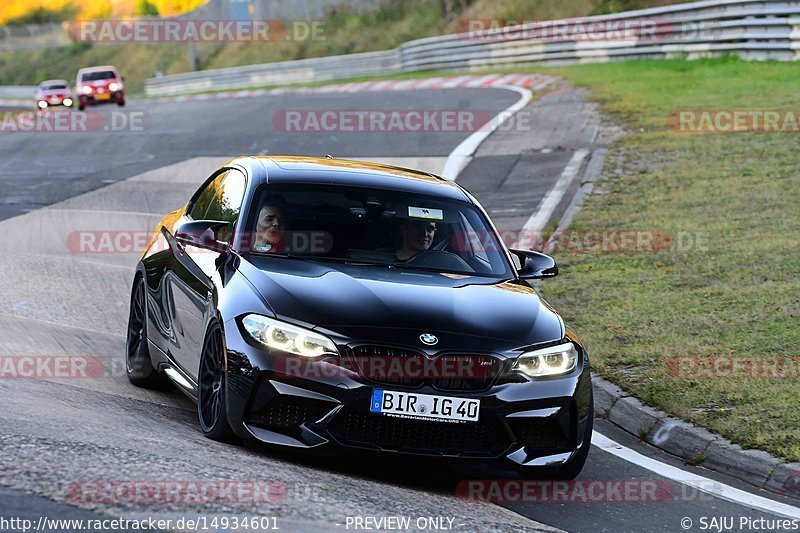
(53, 93)
(99, 85)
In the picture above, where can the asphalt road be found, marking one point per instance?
(61, 439)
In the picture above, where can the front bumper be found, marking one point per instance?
(93, 99)
(523, 423)
(57, 103)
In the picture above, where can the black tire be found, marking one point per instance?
(138, 365)
(81, 107)
(121, 103)
(212, 380)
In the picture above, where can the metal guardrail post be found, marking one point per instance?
(192, 49)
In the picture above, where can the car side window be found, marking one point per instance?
(227, 202)
(221, 200)
(203, 200)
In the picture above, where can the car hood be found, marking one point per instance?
(365, 302)
(54, 92)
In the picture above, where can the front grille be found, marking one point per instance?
(540, 433)
(486, 438)
(408, 368)
(290, 411)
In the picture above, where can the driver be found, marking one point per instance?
(417, 237)
(269, 227)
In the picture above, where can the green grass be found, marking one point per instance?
(739, 294)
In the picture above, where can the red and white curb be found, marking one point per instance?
(533, 82)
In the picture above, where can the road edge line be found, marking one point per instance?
(703, 484)
(458, 158)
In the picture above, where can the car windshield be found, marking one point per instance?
(371, 226)
(52, 87)
(99, 75)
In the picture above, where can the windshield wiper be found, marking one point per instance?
(357, 262)
(432, 270)
(313, 258)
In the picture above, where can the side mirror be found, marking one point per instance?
(122, 78)
(535, 265)
(202, 234)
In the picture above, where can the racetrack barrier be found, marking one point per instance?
(750, 29)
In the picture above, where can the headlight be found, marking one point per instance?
(113, 86)
(67, 102)
(42, 104)
(552, 361)
(287, 338)
(86, 89)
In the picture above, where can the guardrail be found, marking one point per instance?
(284, 72)
(751, 29)
(18, 92)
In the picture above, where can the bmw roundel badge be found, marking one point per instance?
(428, 338)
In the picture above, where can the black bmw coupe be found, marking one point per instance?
(328, 304)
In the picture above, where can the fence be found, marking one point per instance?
(751, 29)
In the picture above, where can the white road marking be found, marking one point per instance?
(709, 486)
(537, 221)
(455, 82)
(458, 157)
(427, 82)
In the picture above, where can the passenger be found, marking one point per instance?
(270, 227)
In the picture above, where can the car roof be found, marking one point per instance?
(296, 169)
(53, 82)
(96, 69)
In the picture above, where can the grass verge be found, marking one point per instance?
(733, 294)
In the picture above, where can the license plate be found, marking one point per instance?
(413, 405)
(104, 96)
